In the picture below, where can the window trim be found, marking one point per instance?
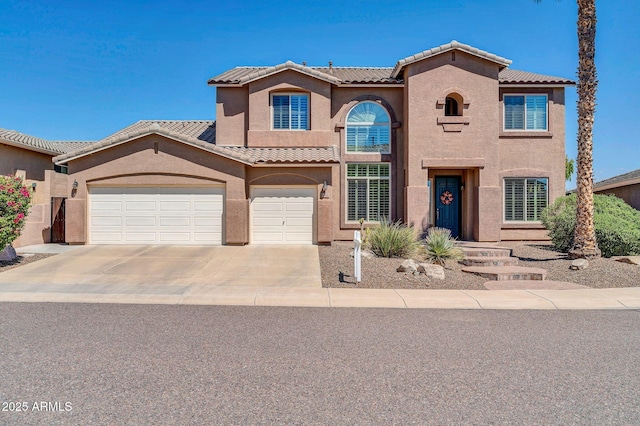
(347, 124)
(346, 191)
(525, 95)
(273, 115)
(524, 205)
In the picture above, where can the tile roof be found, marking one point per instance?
(204, 130)
(32, 143)
(351, 75)
(509, 76)
(503, 62)
(337, 75)
(620, 180)
(328, 154)
(384, 75)
(201, 134)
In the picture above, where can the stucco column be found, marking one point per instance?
(417, 207)
(325, 221)
(236, 223)
(489, 213)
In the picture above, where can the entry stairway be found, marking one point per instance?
(498, 265)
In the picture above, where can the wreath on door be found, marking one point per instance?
(446, 198)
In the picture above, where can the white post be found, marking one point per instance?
(357, 256)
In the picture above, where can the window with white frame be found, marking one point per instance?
(290, 111)
(368, 128)
(525, 112)
(368, 192)
(525, 198)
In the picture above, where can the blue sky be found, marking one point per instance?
(82, 70)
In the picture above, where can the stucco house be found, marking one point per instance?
(625, 186)
(31, 158)
(300, 154)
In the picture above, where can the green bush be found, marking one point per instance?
(392, 239)
(440, 246)
(15, 199)
(617, 224)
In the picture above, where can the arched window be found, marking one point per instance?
(450, 106)
(368, 128)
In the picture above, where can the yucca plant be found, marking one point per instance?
(392, 239)
(440, 246)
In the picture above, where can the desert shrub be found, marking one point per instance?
(14, 207)
(440, 246)
(617, 224)
(392, 239)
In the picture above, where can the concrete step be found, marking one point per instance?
(486, 252)
(532, 285)
(489, 261)
(503, 273)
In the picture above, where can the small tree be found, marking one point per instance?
(15, 200)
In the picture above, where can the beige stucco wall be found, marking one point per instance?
(472, 152)
(34, 167)
(136, 163)
(232, 117)
(534, 155)
(32, 163)
(260, 133)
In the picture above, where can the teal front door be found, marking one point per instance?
(447, 202)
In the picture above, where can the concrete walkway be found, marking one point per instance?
(89, 274)
(625, 298)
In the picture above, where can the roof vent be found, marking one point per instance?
(304, 63)
(331, 66)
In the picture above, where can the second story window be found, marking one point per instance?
(368, 129)
(525, 112)
(451, 107)
(290, 112)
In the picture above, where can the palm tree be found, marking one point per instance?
(584, 241)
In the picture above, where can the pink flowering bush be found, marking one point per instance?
(15, 200)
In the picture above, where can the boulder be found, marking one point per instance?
(431, 270)
(365, 254)
(8, 254)
(579, 264)
(408, 265)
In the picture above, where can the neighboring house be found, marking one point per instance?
(625, 186)
(299, 155)
(31, 159)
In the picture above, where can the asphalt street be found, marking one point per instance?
(146, 364)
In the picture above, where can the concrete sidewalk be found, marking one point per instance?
(624, 298)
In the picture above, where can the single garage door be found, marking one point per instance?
(282, 215)
(156, 215)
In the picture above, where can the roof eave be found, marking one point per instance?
(540, 84)
(30, 147)
(101, 146)
(614, 185)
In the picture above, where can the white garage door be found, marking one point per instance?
(154, 215)
(282, 215)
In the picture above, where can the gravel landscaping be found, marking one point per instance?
(336, 265)
(22, 260)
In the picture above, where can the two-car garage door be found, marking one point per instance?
(156, 215)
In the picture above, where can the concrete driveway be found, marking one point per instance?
(176, 266)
